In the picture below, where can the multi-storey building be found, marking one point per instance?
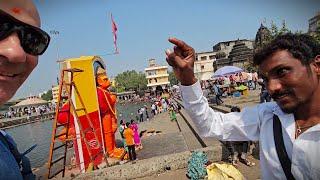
(203, 65)
(314, 22)
(55, 93)
(157, 76)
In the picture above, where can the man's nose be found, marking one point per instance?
(11, 48)
(274, 85)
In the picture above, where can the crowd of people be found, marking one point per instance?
(27, 111)
(234, 85)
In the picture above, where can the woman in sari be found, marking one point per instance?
(137, 140)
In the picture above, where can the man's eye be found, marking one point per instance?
(281, 72)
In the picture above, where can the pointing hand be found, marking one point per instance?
(182, 60)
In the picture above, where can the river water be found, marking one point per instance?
(40, 133)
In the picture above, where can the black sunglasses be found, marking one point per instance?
(33, 40)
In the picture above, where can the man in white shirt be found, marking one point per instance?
(290, 67)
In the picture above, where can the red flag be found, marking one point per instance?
(114, 32)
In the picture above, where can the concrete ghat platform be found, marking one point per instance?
(151, 166)
(176, 162)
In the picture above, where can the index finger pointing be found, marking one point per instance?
(180, 44)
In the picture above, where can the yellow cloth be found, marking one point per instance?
(223, 171)
(241, 88)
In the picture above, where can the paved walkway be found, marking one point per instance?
(170, 140)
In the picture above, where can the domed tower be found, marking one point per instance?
(262, 37)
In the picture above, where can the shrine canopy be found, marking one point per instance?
(31, 101)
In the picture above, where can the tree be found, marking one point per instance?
(275, 30)
(284, 28)
(131, 81)
(172, 78)
(47, 96)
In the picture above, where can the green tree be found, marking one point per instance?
(284, 28)
(131, 81)
(172, 78)
(276, 31)
(47, 96)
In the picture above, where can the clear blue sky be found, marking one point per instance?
(144, 25)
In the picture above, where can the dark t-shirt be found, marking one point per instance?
(9, 168)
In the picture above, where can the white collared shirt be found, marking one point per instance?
(256, 124)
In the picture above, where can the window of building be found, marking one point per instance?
(212, 57)
(202, 67)
(151, 73)
(155, 79)
(204, 58)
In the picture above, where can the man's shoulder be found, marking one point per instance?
(8, 137)
(261, 110)
(267, 110)
(267, 107)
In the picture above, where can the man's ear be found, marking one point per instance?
(316, 64)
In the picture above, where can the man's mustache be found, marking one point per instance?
(276, 95)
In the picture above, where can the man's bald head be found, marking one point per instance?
(15, 63)
(22, 10)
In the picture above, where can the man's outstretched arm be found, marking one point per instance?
(232, 126)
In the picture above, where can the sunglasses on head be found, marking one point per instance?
(33, 40)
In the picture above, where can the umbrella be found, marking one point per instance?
(227, 70)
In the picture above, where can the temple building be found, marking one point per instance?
(233, 53)
(262, 37)
(240, 55)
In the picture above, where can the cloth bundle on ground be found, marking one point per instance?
(217, 171)
(197, 165)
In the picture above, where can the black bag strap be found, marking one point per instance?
(280, 148)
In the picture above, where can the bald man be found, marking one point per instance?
(21, 42)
